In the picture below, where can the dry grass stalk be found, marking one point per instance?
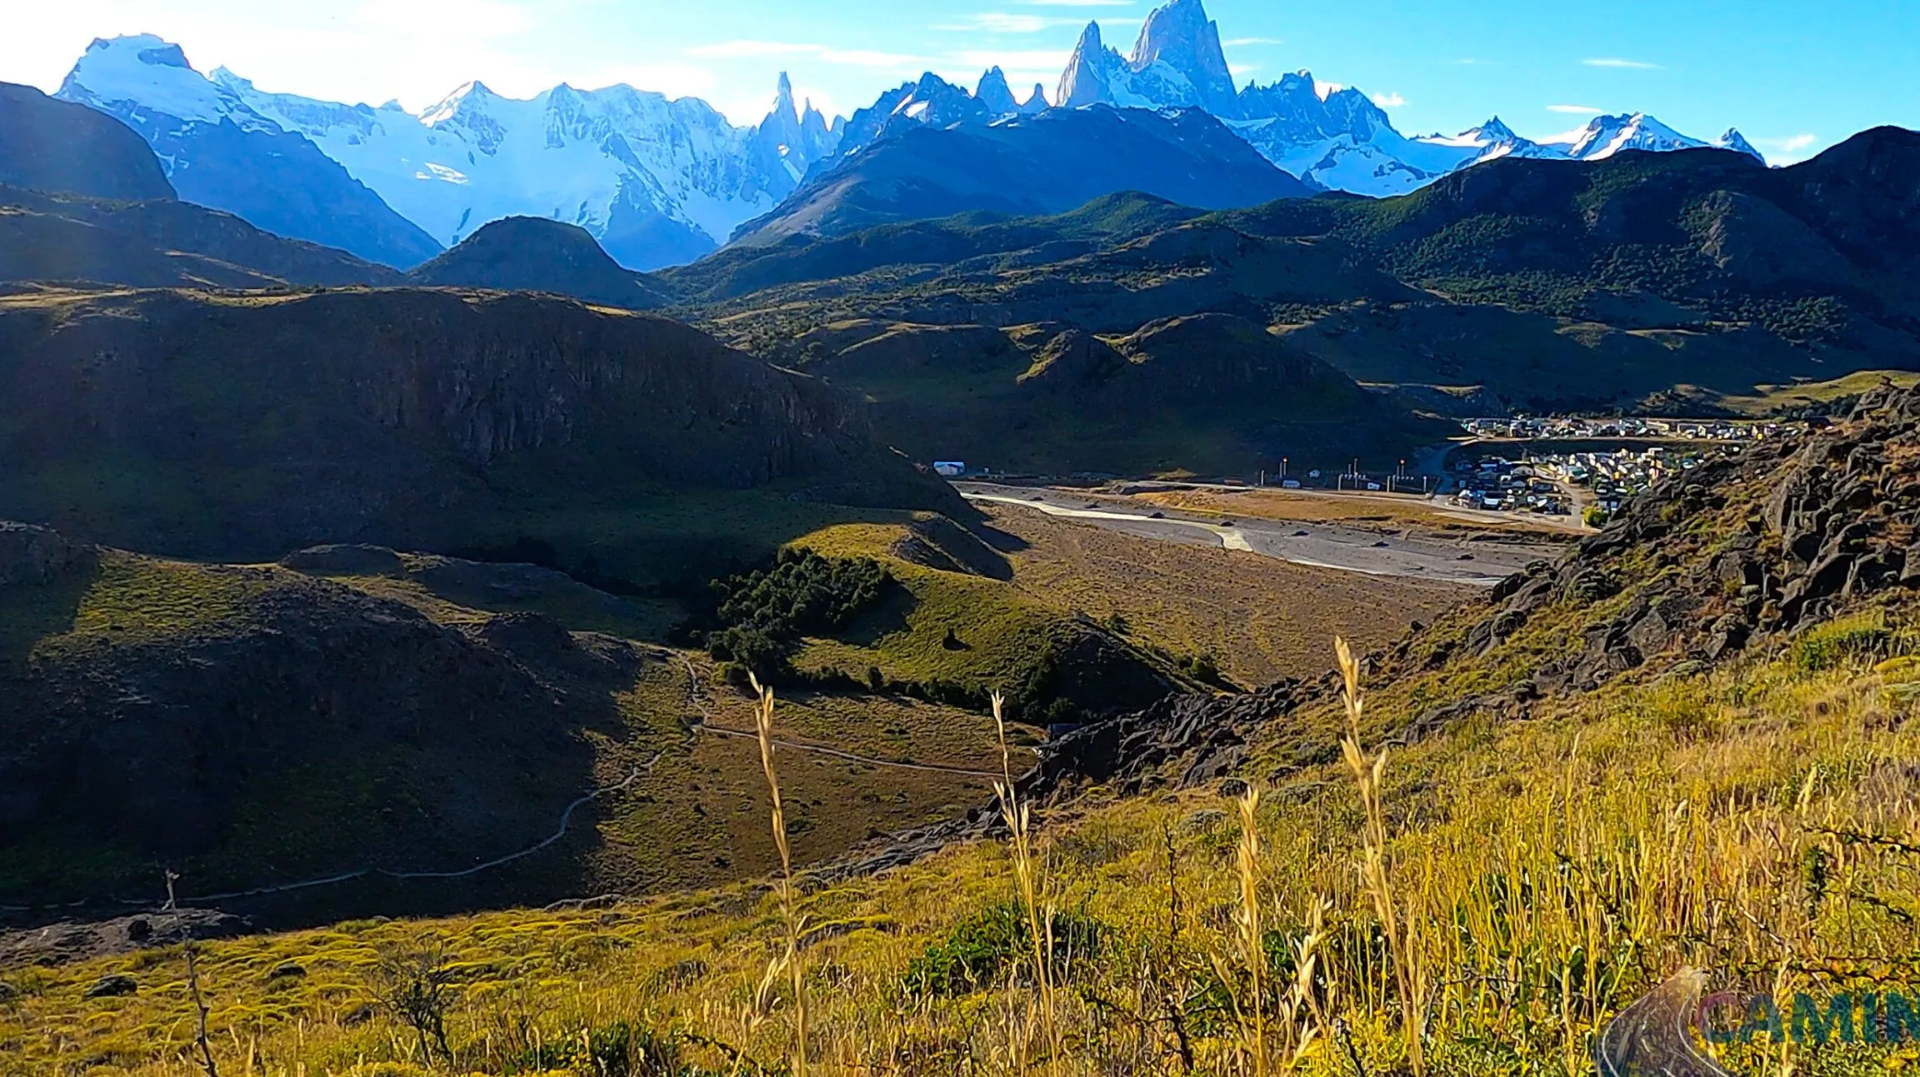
(763, 722)
(1247, 917)
(1375, 872)
(1026, 877)
(200, 1007)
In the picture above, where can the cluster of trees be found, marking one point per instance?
(757, 619)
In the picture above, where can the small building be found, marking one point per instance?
(949, 469)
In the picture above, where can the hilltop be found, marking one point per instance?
(529, 254)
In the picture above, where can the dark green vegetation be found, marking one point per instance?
(1031, 165)
(983, 950)
(530, 254)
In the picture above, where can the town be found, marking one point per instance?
(1562, 478)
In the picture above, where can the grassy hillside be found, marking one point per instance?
(1547, 838)
(1550, 285)
(1208, 394)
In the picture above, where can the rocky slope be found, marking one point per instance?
(424, 419)
(1749, 554)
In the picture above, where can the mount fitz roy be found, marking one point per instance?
(1336, 138)
(660, 182)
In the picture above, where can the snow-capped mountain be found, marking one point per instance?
(218, 152)
(931, 102)
(656, 181)
(1336, 138)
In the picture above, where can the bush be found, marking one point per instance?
(1842, 643)
(619, 1049)
(985, 948)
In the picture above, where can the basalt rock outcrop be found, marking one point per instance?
(242, 428)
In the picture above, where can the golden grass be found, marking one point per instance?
(1556, 868)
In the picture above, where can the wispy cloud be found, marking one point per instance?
(1468, 61)
(1241, 42)
(1615, 61)
(1787, 149)
(1074, 3)
(1576, 110)
(1389, 100)
(734, 50)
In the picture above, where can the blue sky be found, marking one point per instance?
(1793, 75)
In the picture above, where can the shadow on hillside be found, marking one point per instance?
(31, 612)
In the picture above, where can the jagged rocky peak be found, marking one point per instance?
(1036, 101)
(1084, 82)
(995, 94)
(1735, 141)
(1181, 36)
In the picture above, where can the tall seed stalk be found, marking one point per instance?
(1375, 872)
(763, 723)
(1248, 919)
(1026, 877)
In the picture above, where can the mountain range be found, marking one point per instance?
(661, 182)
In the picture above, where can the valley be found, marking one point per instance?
(576, 586)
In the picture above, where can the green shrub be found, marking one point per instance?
(982, 950)
(619, 1049)
(1848, 642)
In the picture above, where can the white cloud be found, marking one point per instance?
(1786, 143)
(668, 77)
(1074, 3)
(1237, 70)
(1576, 110)
(1615, 61)
(1241, 42)
(1389, 100)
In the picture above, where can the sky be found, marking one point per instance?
(1794, 76)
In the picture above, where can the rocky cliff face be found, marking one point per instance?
(261, 425)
